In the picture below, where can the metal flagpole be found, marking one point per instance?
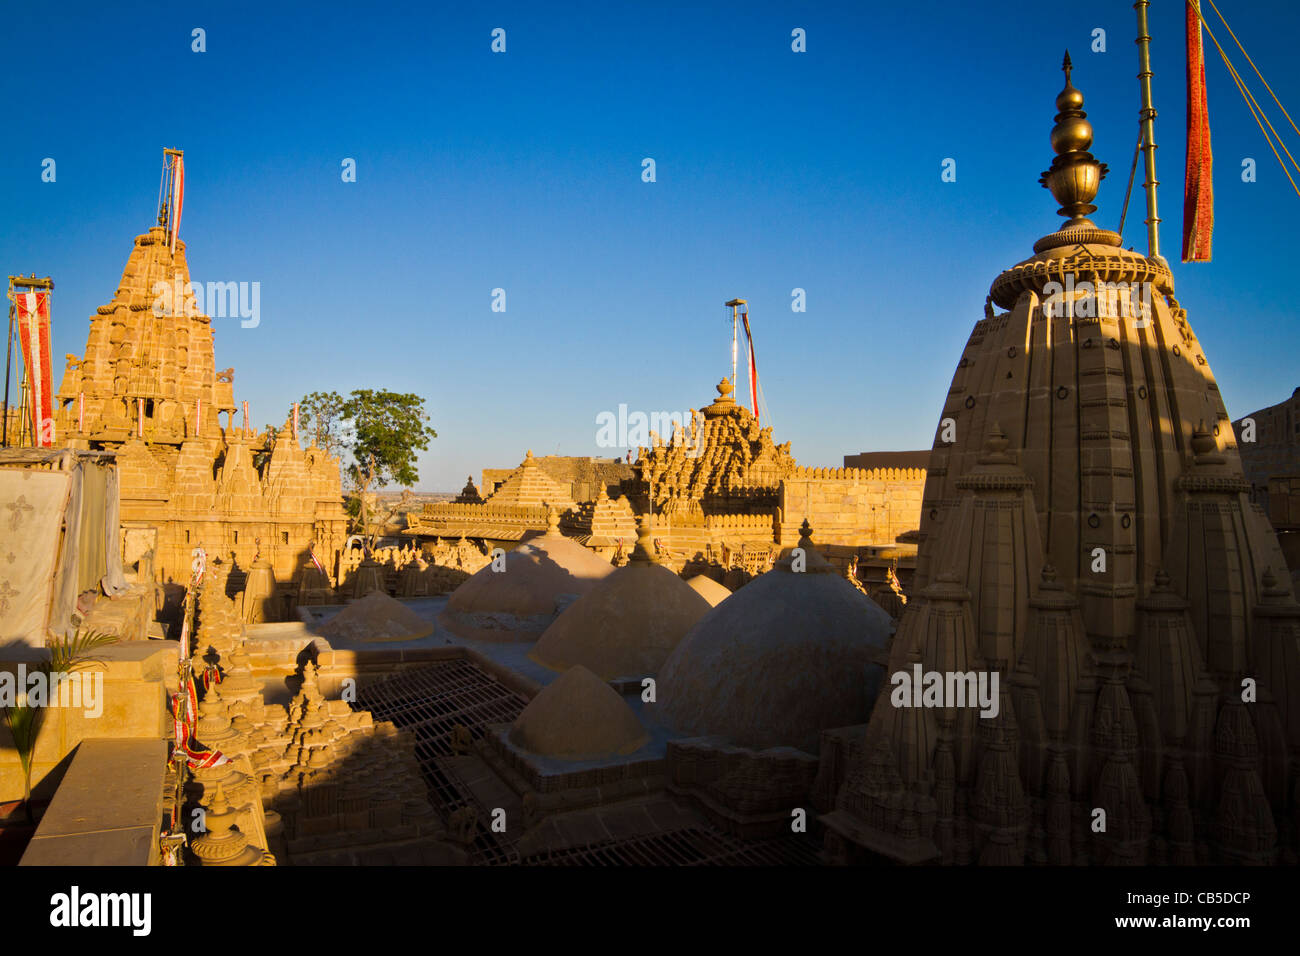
(25, 413)
(1148, 115)
(734, 304)
(733, 346)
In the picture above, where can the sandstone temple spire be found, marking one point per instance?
(147, 388)
(1087, 536)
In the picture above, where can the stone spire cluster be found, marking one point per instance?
(148, 389)
(315, 777)
(1087, 537)
(720, 459)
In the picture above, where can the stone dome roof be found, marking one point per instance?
(376, 617)
(541, 577)
(578, 717)
(791, 654)
(628, 624)
(709, 589)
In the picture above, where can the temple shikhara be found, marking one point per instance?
(148, 390)
(720, 496)
(1087, 535)
(1065, 634)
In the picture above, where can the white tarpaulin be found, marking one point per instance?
(33, 506)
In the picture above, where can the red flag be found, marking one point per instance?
(178, 197)
(1198, 194)
(753, 368)
(34, 334)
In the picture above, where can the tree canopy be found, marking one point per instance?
(319, 416)
(384, 432)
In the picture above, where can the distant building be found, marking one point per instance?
(719, 494)
(1272, 465)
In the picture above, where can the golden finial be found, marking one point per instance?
(1075, 175)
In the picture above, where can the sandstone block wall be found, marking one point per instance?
(135, 675)
(851, 505)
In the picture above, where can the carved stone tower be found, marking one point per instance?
(1086, 506)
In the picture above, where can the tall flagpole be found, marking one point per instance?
(1148, 116)
(733, 305)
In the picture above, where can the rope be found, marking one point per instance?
(1252, 66)
(1255, 110)
(1132, 174)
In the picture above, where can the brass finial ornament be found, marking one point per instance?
(1075, 176)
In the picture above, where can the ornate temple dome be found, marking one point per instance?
(709, 589)
(1088, 539)
(792, 653)
(722, 453)
(578, 717)
(628, 624)
(376, 617)
(542, 576)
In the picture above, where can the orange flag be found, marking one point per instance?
(1198, 194)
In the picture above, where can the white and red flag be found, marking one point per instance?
(178, 197)
(753, 368)
(33, 310)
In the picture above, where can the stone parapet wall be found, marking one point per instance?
(852, 506)
(746, 792)
(108, 810)
(134, 704)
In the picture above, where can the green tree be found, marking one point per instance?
(385, 432)
(319, 415)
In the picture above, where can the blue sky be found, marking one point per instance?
(775, 170)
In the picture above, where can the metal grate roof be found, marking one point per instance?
(429, 702)
(695, 846)
(432, 700)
